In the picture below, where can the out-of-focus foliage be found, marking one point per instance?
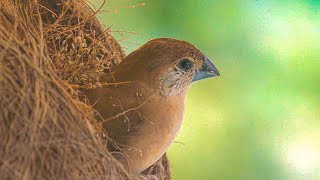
(261, 118)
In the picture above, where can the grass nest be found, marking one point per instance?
(48, 50)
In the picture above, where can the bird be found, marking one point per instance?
(143, 117)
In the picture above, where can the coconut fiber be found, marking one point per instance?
(48, 50)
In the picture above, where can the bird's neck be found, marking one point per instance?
(126, 73)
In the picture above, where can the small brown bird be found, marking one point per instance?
(143, 118)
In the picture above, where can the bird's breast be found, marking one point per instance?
(162, 119)
(141, 120)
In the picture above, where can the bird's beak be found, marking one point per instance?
(207, 70)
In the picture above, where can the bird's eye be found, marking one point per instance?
(185, 64)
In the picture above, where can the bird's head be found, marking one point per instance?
(169, 65)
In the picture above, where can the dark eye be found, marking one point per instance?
(185, 64)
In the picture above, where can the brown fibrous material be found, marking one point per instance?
(49, 49)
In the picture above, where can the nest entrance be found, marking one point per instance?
(47, 49)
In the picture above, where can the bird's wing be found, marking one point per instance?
(118, 109)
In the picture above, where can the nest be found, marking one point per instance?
(49, 49)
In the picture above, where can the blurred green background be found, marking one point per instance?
(259, 119)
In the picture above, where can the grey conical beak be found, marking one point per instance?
(207, 70)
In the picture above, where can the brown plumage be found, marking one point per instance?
(143, 118)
